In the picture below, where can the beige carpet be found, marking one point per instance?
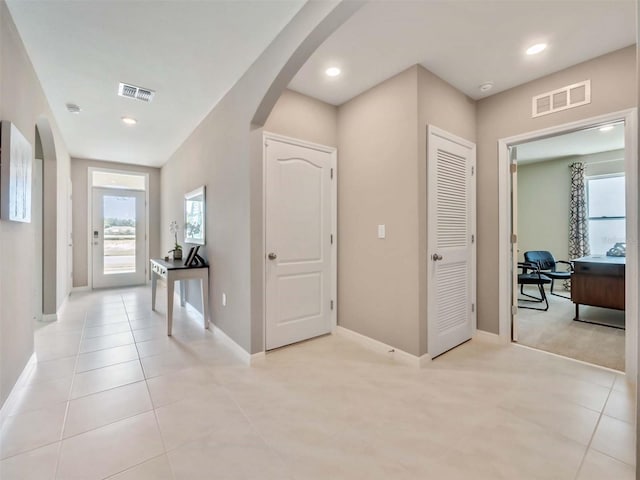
(555, 331)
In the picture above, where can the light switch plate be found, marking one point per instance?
(382, 231)
(224, 299)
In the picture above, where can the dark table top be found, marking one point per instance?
(602, 259)
(176, 264)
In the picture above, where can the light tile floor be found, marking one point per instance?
(113, 397)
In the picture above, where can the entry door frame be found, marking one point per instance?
(334, 224)
(90, 171)
(629, 116)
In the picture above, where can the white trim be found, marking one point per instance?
(90, 171)
(393, 353)
(26, 371)
(575, 360)
(334, 223)
(49, 317)
(296, 141)
(240, 352)
(86, 288)
(629, 116)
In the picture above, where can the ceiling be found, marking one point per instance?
(190, 52)
(465, 42)
(581, 142)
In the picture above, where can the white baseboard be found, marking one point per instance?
(240, 352)
(26, 371)
(49, 317)
(489, 337)
(245, 356)
(86, 288)
(396, 354)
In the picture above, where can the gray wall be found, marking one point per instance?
(22, 102)
(613, 88)
(443, 106)
(543, 200)
(305, 118)
(382, 158)
(225, 153)
(378, 184)
(79, 177)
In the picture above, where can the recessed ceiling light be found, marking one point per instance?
(73, 108)
(129, 120)
(332, 71)
(486, 86)
(606, 128)
(537, 48)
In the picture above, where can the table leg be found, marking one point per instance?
(577, 312)
(154, 284)
(170, 286)
(183, 297)
(204, 287)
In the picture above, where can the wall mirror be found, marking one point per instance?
(194, 216)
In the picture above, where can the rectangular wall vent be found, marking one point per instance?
(561, 99)
(137, 93)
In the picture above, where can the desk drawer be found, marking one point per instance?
(160, 270)
(607, 269)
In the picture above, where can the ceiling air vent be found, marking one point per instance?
(137, 93)
(561, 99)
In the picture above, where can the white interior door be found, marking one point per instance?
(299, 242)
(118, 237)
(513, 152)
(451, 241)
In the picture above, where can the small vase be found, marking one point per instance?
(177, 254)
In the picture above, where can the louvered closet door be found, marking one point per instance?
(451, 241)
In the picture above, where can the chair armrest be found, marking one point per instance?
(566, 263)
(529, 266)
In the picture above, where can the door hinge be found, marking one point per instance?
(332, 173)
(473, 238)
(332, 239)
(514, 238)
(514, 309)
(331, 304)
(514, 168)
(473, 307)
(473, 170)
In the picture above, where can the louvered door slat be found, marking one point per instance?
(450, 289)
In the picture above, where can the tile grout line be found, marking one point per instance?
(593, 434)
(66, 412)
(153, 406)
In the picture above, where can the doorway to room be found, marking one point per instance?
(510, 320)
(569, 210)
(118, 228)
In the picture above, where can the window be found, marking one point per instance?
(606, 212)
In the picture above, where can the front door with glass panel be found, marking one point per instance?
(118, 237)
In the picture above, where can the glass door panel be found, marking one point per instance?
(118, 237)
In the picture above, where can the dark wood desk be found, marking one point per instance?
(175, 270)
(598, 281)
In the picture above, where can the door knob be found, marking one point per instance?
(435, 257)
(272, 256)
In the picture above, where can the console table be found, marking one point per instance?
(598, 281)
(175, 270)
